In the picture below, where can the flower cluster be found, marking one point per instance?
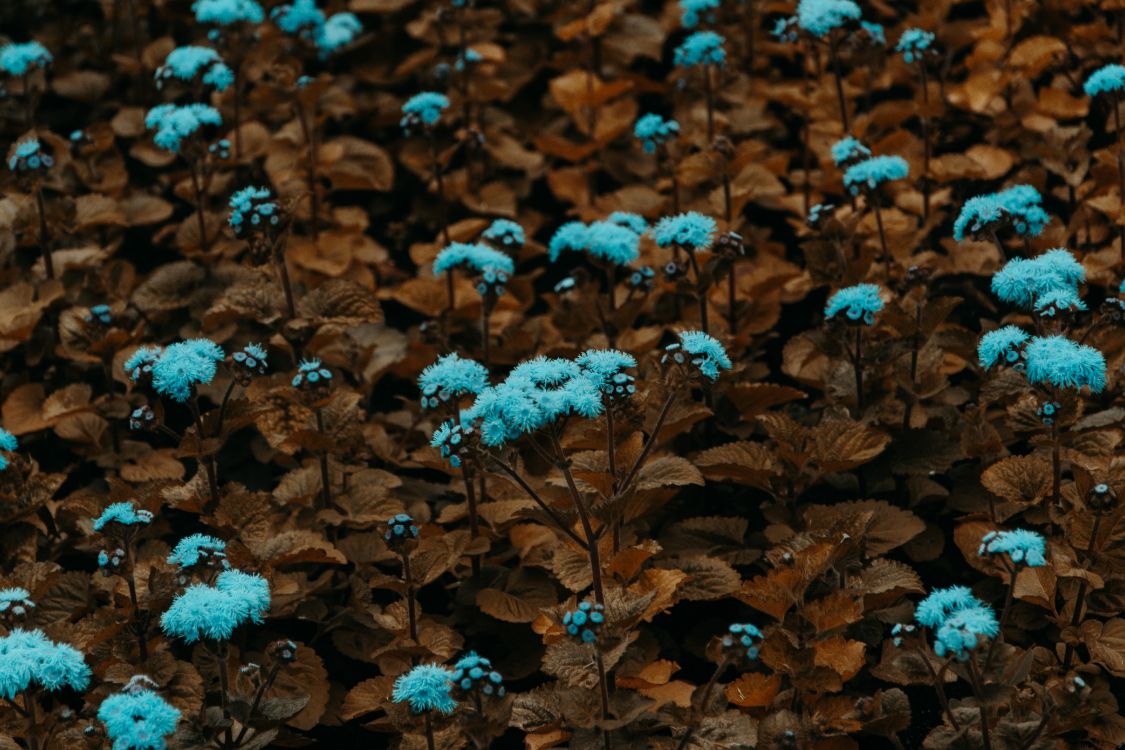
(426, 687)
(328, 34)
(450, 379)
(174, 123)
(473, 257)
(137, 718)
(693, 11)
(1109, 78)
(607, 241)
(1022, 546)
(182, 366)
(15, 602)
(400, 528)
(199, 549)
(1019, 206)
(859, 303)
(1058, 362)
(247, 362)
(451, 439)
(28, 157)
(99, 315)
(642, 279)
(785, 29)
(584, 622)
(960, 621)
(20, 59)
(253, 209)
(874, 171)
(213, 612)
(691, 231)
(703, 352)
(701, 48)
(473, 672)
(819, 213)
(29, 658)
(312, 376)
(652, 131)
(606, 367)
(1041, 283)
(875, 32)
(742, 640)
(228, 12)
(1002, 346)
(849, 150)
(124, 513)
(190, 63)
(139, 364)
(913, 44)
(633, 222)
(423, 110)
(8, 444)
(821, 17)
(505, 232)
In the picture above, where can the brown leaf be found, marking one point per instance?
(1019, 479)
(753, 690)
(842, 656)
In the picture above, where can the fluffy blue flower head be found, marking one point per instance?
(964, 630)
(28, 657)
(941, 603)
(606, 368)
(701, 48)
(1022, 546)
(743, 639)
(505, 232)
(1058, 362)
(822, 17)
(875, 32)
(692, 11)
(913, 44)
(450, 438)
(451, 378)
(612, 243)
(871, 173)
(1059, 300)
(125, 513)
(652, 130)
(1022, 282)
(140, 362)
(633, 222)
(8, 441)
(859, 303)
(299, 17)
(175, 122)
(250, 589)
(1019, 206)
(848, 149)
(197, 548)
(474, 672)
(423, 109)
(311, 373)
(253, 208)
(472, 256)
(1110, 78)
(703, 351)
(189, 62)
(1002, 347)
(213, 612)
(15, 601)
(573, 235)
(138, 719)
(425, 688)
(691, 230)
(20, 59)
(184, 365)
(338, 32)
(228, 12)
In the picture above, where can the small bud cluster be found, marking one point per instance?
(585, 622)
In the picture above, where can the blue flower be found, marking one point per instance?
(848, 149)
(859, 302)
(473, 672)
(1022, 281)
(451, 438)
(818, 213)
(652, 130)
(704, 352)
(16, 600)
(138, 719)
(124, 513)
(8, 441)
(174, 122)
(184, 365)
(585, 622)
(1103, 80)
(506, 233)
(188, 62)
(227, 12)
(605, 368)
(196, 548)
(701, 48)
(1061, 363)
(633, 222)
(941, 603)
(1054, 301)
(449, 379)
(964, 630)
(1002, 346)
(213, 612)
(140, 362)
(1020, 206)
(570, 236)
(424, 688)
(822, 17)
(299, 17)
(612, 243)
(913, 43)
(338, 31)
(423, 109)
(28, 156)
(28, 657)
(311, 373)
(252, 359)
(400, 527)
(873, 172)
(472, 256)
(785, 29)
(875, 32)
(691, 230)
(692, 10)
(746, 637)
(253, 208)
(1023, 546)
(100, 314)
(19, 59)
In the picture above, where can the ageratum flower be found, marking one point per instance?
(506, 233)
(873, 172)
(425, 688)
(1022, 546)
(451, 439)
(124, 513)
(253, 208)
(189, 63)
(337, 32)
(472, 256)
(701, 48)
(1002, 346)
(875, 32)
(174, 123)
(1051, 303)
(743, 639)
(140, 362)
(585, 622)
(8, 444)
(228, 12)
(1019, 206)
(1061, 363)
(400, 527)
(704, 352)
(848, 150)
(28, 156)
(692, 11)
(785, 29)
(99, 315)
(299, 17)
(423, 109)
(451, 378)
(612, 243)
(822, 17)
(941, 603)
(818, 213)
(473, 672)
(859, 303)
(198, 548)
(606, 369)
(213, 612)
(964, 630)
(28, 658)
(652, 130)
(1109, 78)
(15, 601)
(310, 373)
(20, 59)
(137, 718)
(913, 44)
(184, 365)
(1022, 281)
(633, 222)
(691, 231)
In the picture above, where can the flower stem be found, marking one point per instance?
(138, 625)
(833, 43)
(882, 236)
(710, 103)
(325, 485)
(559, 523)
(1008, 597)
(925, 144)
(258, 695)
(474, 525)
(591, 540)
(44, 232)
(732, 299)
(857, 365)
(207, 461)
(429, 728)
(653, 437)
(286, 284)
(440, 184)
(408, 579)
(603, 685)
(197, 186)
(699, 713)
(978, 690)
(224, 688)
(1080, 599)
(1120, 165)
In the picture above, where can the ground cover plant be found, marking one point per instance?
(502, 373)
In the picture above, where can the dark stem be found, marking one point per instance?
(925, 145)
(308, 131)
(1056, 464)
(31, 710)
(1008, 597)
(130, 560)
(697, 715)
(603, 685)
(1120, 162)
(857, 365)
(325, 485)
(485, 334)
(440, 184)
(939, 687)
(710, 104)
(223, 407)
(197, 186)
(624, 486)
(832, 52)
(207, 461)
(559, 524)
(978, 690)
(1080, 599)
(732, 299)
(474, 525)
(700, 291)
(258, 695)
(591, 541)
(429, 727)
(238, 109)
(44, 232)
(224, 688)
(882, 235)
(408, 579)
(286, 285)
